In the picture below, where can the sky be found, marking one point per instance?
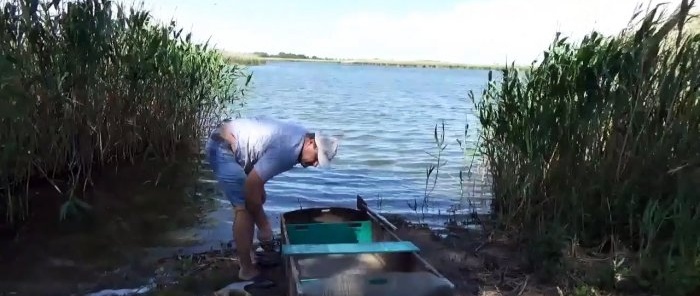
(461, 31)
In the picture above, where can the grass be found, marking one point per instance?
(88, 84)
(597, 146)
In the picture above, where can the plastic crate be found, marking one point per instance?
(330, 233)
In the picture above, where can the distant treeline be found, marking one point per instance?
(260, 58)
(287, 55)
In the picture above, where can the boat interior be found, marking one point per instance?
(343, 251)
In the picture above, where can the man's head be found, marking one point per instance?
(318, 150)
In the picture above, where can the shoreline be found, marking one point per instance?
(475, 258)
(137, 233)
(390, 63)
(477, 262)
(253, 60)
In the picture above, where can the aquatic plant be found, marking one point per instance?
(463, 211)
(86, 84)
(599, 144)
(242, 59)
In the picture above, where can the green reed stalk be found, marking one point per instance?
(599, 142)
(87, 84)
(243, 59)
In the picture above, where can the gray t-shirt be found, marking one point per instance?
(268, 145)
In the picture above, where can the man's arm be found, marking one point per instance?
(254, 188)
(267, 166)
(254, 191)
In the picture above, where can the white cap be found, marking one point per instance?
(327, 148)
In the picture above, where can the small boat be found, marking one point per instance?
(344, 251)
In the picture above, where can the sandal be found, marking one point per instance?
(267, 259)
(269, 245)
(260, 282)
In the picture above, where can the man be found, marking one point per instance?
(244, 154)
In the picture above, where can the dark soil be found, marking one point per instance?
(474, 262)
(477, 262)
(102, 247)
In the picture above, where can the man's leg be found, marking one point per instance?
(243, 229)
(230, 178)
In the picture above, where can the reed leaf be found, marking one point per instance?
(585, 142)
(88, 84)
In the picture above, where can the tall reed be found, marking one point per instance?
(89, 83)
(600, 143)
(242, 59)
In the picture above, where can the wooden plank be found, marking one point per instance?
(362, 205)
(384, 284)
(361, 248)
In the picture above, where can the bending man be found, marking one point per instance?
(244, 154)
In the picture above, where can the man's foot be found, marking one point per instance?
(248, 275)
(267, 259)
(258, 280)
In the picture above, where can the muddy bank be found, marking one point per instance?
(151, 226)
(139, 239)
(480, 261)
(475, 260)
(158, 224)
(136, 211)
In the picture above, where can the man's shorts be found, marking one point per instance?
(230, 176)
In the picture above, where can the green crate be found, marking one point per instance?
(351, 248)
(330, 233)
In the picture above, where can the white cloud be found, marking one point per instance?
(473, 31)
(197, 19)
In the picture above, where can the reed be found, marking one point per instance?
(88, 83)
(599, 144)
(243, 59)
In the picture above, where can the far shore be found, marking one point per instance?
(389, 63)
(251, 59)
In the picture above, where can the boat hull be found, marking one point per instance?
(345, 251)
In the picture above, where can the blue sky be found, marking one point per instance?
(467, 31)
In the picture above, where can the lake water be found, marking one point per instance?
(385, 117)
